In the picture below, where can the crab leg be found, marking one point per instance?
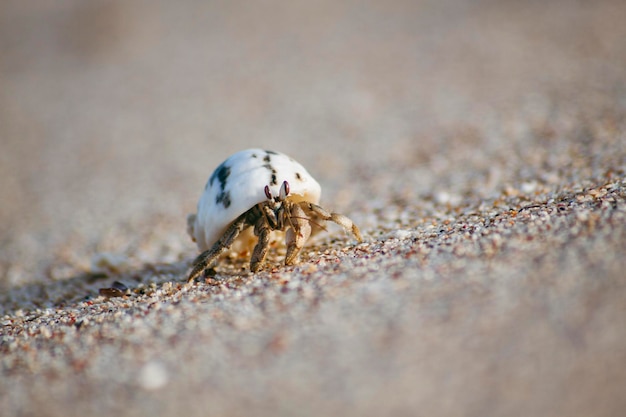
(262, 230)
(340, 219)
(297, 234)
(206, 258)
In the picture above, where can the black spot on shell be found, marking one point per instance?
(223, 198)
(254, 155)
(271, 152)
(221, 173)
(267, 158)
(298, 176)
(274, 179)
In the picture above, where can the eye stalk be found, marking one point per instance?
(282, 194)
(284, 190)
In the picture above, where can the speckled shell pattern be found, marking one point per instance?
(238, 184)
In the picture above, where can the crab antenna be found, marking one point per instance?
(268, 194)
(284, 190)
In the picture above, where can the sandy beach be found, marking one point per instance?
(479, 146)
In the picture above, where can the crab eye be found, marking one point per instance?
(267, 192)
(284, 190)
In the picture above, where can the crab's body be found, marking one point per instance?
(267, 191)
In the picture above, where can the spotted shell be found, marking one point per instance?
(238, 184)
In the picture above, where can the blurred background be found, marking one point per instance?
(113, 113)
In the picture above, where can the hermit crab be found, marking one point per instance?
(263, 192)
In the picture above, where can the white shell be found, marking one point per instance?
(238, 184)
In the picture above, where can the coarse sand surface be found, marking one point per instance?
(479, 145)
